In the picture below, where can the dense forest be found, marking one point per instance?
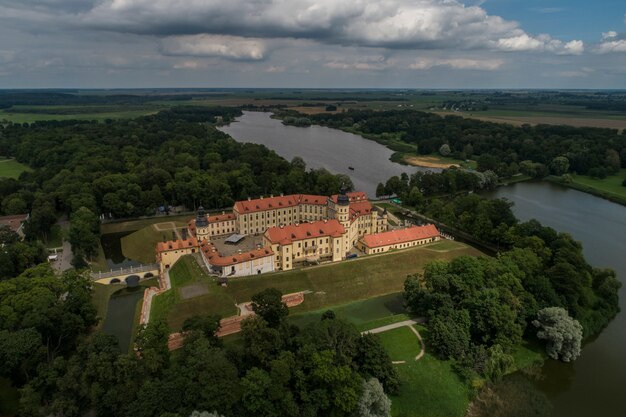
(47, 348)
(501, 148)
(134, 167)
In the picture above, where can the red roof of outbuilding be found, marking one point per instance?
(191, 242)
(400, 236)
(287, 234)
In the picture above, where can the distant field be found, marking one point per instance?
(518, 118)
(30, 114)
(10, 168)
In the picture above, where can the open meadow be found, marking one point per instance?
(10, 168)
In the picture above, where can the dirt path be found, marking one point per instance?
(404, 323)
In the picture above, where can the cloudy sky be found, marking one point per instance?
(313, 43)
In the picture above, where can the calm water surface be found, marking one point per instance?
(595, 384)
(120, 315)
(321, 147)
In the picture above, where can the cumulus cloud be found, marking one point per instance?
(366, 63)
(230, 47)
(457, 63)
(609, 35)
(393, 24)
(612, 46)
(542, 43)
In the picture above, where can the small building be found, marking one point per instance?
(15, 223)
(254, 262)
(303, 243)
(398, 239)
(168, 253)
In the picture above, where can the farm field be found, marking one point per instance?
(10, 168)
(31, 114)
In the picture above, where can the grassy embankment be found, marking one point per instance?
(327, 285)
(10, 168)
(172, 307)
(609, 188)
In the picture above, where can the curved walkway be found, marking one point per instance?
(399, 324)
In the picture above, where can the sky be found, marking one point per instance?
(313, 43)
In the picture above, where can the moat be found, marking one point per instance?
(594, 384)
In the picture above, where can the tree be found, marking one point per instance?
(612, 161)
(374, 361)
(444, 150)
(559, 165)
(415, 198)
(84, 231)
(380, 190)
(373, 401)
(562, 333)
(207, 326)
(269, 305)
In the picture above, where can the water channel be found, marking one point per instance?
(120, 315)
(321, 147)
(595, 384)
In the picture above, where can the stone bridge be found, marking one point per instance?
(131, 275)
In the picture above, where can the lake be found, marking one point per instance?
(595, 384)
(321, 147)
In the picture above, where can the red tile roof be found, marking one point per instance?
(191, 242)
(287, 234)
(221, 217)
(272, 203)
(215, 258)
(400, 236)
(352, 196)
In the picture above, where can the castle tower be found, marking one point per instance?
(343, 208)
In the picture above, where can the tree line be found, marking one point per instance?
(501, 148)
(128, 168)
(63, 368)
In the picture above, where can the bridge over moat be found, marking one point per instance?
(129, 276)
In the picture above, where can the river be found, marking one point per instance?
(595, 384)
(321, 147)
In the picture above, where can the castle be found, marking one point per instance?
(296, 230)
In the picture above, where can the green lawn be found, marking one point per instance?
(611, 184)
(429, 387)
(401, 344)
(365, 314)
(173, 308)
(136, 224)
(140, 245)
(347, 281)
(10, 168)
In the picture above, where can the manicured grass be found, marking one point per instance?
(171, 307)
(136, 224)
(343, 282)
(9, 398)
(401, 344)
(611, 184)
(429, 387)
(365, 314)
(445, 245)
(140, 245)
(10, 168)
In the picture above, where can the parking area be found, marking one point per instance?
(246, 244)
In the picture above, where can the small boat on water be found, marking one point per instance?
(351, 168)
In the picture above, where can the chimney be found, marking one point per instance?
(282, 195)
(271, 195)
(248, 198)
(261, 197)
(223, 212)
(239, 251)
